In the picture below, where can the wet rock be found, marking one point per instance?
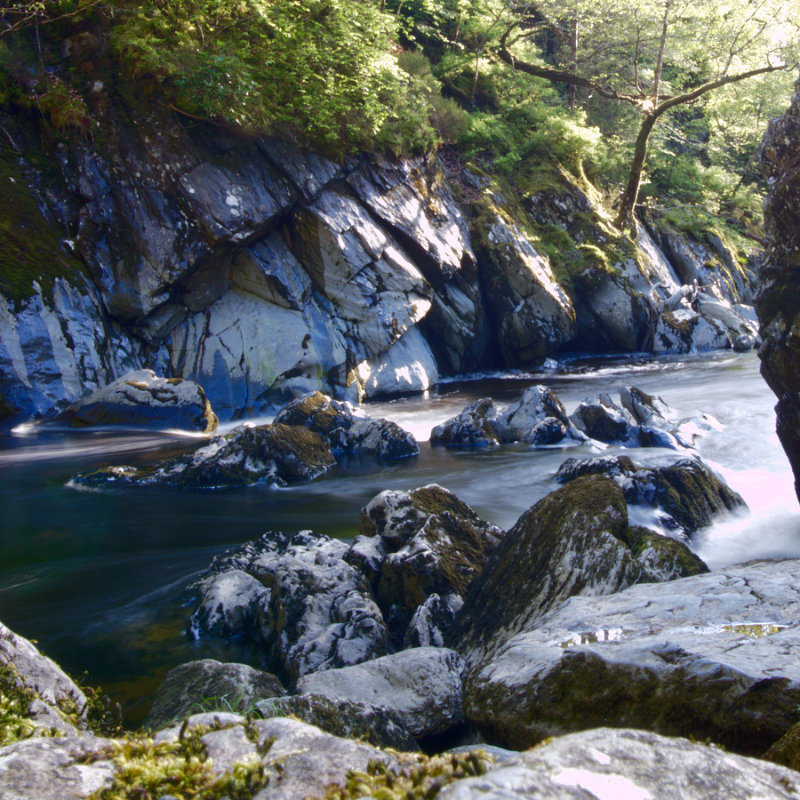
(230, 604)
(609, 762)
(474, 427)
(777, 300)
(684, 330)
(422, 685)
(378, 725)
(268, 454)
(538, 418)
(144, 400)
(708, 656)
(315, 610)
(685, 495)
(199, 686)
(434, 543)
(348, 430)
(575, 541)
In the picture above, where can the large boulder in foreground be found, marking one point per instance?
(712, 657)
(612, 764)
(143, 400)
(277, 455)
(309, 608)
(199, 686)
(422, 685)
(348, 430)
(577, 540)
(431, 543)
(777, 299)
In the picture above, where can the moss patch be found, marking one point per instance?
(16, 721)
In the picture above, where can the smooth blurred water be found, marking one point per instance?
(96, 577)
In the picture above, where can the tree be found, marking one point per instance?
(656, 55)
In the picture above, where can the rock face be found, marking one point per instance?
(314, 611)
(709, 656)
(144, 400)
(268, 454)
(684, 495)
(427, 542)
(777, 301)
(575, 541)
(194, 687)
(348, 430)
(612, 763)
(422, 685)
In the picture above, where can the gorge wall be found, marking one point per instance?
(778, 299)
(263, 272)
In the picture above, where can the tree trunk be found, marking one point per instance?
(627, 201)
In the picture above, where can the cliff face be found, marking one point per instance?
(778, 298)
(263, 272)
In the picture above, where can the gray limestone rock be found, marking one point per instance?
(709, 656)
(608, 763)
(196, 685)
(144, 400)
(422, 685)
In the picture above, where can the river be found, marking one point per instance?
(96, 577)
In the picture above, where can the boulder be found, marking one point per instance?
(608, 763)
(684, 495)
(683, 330)
(348, 430)
(709, 656)
(199, 686)
(474, 427)
(432, 620)
(434, 544)
(315, 610)
(575, 541)
(230, 605)
(422, 685)
(778, 297)
(276, 455)
(142, 399)
(377, 725)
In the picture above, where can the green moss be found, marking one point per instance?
(16, 721)
(33, 248)
(420, 777)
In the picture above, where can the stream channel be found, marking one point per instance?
(96, 577)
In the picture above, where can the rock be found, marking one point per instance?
(316, 611)
(538, 418)
(144, 400)
(432, 620)
(777, 300)
(380, 726)
(434, 543)
(686, 495)
(708, 656)
(474, 427)
(685, 331)
(786, 750)
(575, 541)
(635, 765)
(198, 685)
(422, 685)
(348, 430)
(534, 315)
(55, 701)
(268, 454)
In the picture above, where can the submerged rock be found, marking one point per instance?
(270, 454)
(434, 544)
(144, 400)
(709, 656)
(314, 610)
(575, 541)
(685, 495)
(348, 430)
(630, 764)
(422, 685)
(208, 685)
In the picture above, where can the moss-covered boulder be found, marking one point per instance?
(268, 454)
(434, 544)
(142, 399)
(575, 541)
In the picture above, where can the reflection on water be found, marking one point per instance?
(97, 577)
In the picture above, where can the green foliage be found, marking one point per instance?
(15, 700)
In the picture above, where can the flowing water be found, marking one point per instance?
(96, 577)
